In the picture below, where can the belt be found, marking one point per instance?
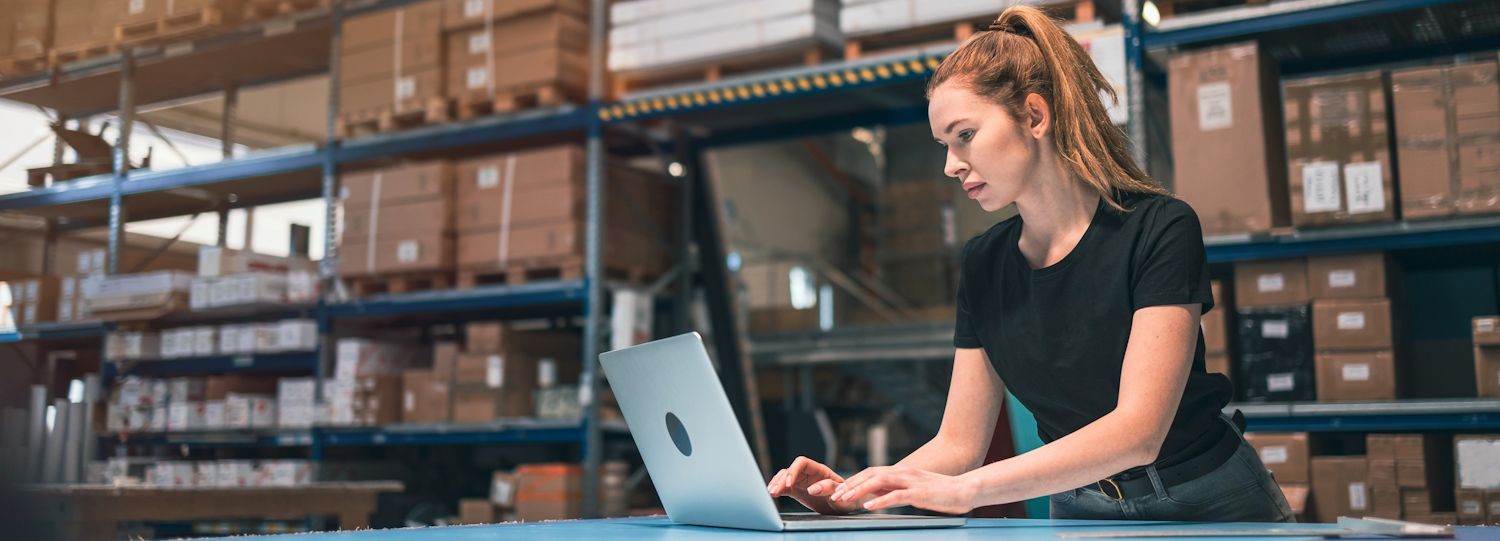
(1119, 489)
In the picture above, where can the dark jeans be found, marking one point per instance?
(1240, 490)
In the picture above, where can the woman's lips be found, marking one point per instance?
(974, 190)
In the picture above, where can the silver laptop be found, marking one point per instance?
(695, 452)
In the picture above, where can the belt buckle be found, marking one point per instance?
(1118, 495)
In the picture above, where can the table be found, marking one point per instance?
(94, 512)
(659, 528)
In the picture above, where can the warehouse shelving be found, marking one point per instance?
(302, 362)
(1396, 416)
(57, 331)
(518, 431)
(554, 294)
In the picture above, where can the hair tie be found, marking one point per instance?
(1005, 26)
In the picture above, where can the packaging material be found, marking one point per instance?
(33, 300)
(476, 511)
(1286, 455)
(1352, 325)
(285, 473)
(1338, 149)
(243, 289)
(1276, 360)
(560, 403)
(461, 14)
(296, 406)
(719, 30)
(1339, 487)
(445, 359)
(481, 404)
(360, 357)
(1360, 375)
(1227, 143)
(392, 59)
(864, 17)
(1471, 507)
(397, 219)
(503, 489)
(1356, 276)
(1487, 370)
(132, 345)
(1216, 323)
(77, 24)
(219, 261)
(186, 416)
(1271, 283)
(549, 492)
(1486, 330)
(1477, 461)
(1447, 126)
(424, 398)
(545, 49)
(249, 411)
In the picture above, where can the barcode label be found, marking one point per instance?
(1274, 455)
(487, 177)
(1351, 321)
(1341, 278)
(1320, 187)
(477, 77)
(1275, 329)
(473, 8)
(406, 87)
(1365, 183)
(479, 43)
(1281, 382)
(1356, 372)
(1215, 106)
(1270, 283)
(407, 251)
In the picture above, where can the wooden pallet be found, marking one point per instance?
(60, 56)
(256, 10)
(477, 104)
(173, 27)
(19, 65)
(955, 31)
(408, 114)
(713, 71)
(399, 282)
(534, 270)
(1170, 8)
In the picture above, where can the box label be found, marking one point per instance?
(1281, 382)
(1494, 508)
(409, 401)
(1275, 329)
(479, 43)
(494, 371)
(1470, 507)
(1351, 321)
(406, 87)
(1485, 325)
(1270, 283)
(487, 177)
(1276, 454)
(1357, 501)
(1320, 187)
(1356, 372)
(1215, 106)
(136, 7)
(408, 251)
(477, 77)
(1341, 278)
(546, 373)
(501, 492)
(473, 8)
(1365, 183)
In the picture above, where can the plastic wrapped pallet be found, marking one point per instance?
(863, 17)
(672, 33)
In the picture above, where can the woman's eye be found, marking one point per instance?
(966, 135)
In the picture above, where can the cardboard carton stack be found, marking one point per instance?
(1215, 328)
(1416, 468)
(1447, 124)
(24, 34)
(366, 387)
(139, 18)
(1275, 331)
(1487, 356)
(1477, 463)
(919, 241)
(85, 24)
(392, 61)
(1287, 456)
(500, 52)
(9, 308)
(522, 213)
(78, 286)
(1227, 148)
(1352, 327)
(548, 492)
(501, 370)
(1338, 149)
(1340, 488)
(768, 288)
(139, 296)
(397, 220)
(34, 300)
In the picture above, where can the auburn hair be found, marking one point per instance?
(1026, 52)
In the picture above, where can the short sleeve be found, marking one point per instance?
(1171, 266)
(964, 336)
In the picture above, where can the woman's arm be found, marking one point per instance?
(1154, 373)
(974, 399)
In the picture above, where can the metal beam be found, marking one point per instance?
(121, 161)
(593, 339)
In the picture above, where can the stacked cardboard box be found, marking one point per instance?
(501, 369)
(768, 290)
(130, 296)
(1287, 456)
(507, 49)
(1477, 463)
(366, 389)
(1227, 148)
(1417, 469)
(1338, 149)
(1340, 488)
(1487, 356)
(397, 220)
(549, 492)
(26, 29)
(526, 210)
(144, 13)
(1447, 125)
(1352, 327)
(34, 300)
(392, 60)
(81, 282)
(85, 23)
(1215, 325)
(919, 241)
(659, 34)
(1275, 331)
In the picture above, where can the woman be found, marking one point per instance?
(1087, 304)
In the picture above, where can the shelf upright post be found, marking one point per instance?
(226, 149)
(327, 265)
(121, 159)
(1135, 87)
(588, 389)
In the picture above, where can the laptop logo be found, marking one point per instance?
(679, 434)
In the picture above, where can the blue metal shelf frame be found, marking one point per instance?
(301, 361)
(458, 300)
(528, 432)
(1286, 20)
(1376, 423)
(1373, 238)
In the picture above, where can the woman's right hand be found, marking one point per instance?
(811, 484)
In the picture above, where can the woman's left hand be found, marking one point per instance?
(895, 486)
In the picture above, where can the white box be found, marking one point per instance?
(200, 296)
(185, 390)
(117, 418)
(287, 473)
(359, 357)
(236, 473)
(218, 261)
(158, 421)
(131, 291)
(229, 339)
(1478, 462)
(249, 411)
(297, 335)
(748, 37)
(213, 415)
(710, 17)
(247, 339)
(207, 473)
(301, 287)
(268, 338)
(205, 342)
(184, 416)
(175, 474)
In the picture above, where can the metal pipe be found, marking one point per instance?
(1135, 88)
(121, 160)
(594, 262)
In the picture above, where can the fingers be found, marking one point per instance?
(822, 488)
(894, 498)
(857, 487)
(794, 472)
(775, 486)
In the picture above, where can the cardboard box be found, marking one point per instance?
(1286, 455)
(777, 320)
(1338, 149)
(391, 60)
(1487, 370)
(1356, 276)
(512, 369)
(476, 511)
(1215, 323)
(1385, 501)
(405, 253)
(1477, 462)
(503, 489)
(495, 337)
(444, 360)
(1492, 506)
(424, 398)
(1217, 363)
(1416, 501)
(483, 404)
(221, 387)
(1364, 375)
(408, 182)
(1382, 471)
(1352, 325)
(1227, 148)
(549, 492)
(527, 32)
(1271, 283)
(459, 14)
(1276, 354)
(520, 71)
(1471, 510)
(383, 27)
(1339, 488)
(398, 219)
(1487, 330)
(412, 90)
(1446, 121)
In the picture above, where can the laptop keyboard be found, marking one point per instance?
(804, 517)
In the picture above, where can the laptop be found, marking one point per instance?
(695, 452)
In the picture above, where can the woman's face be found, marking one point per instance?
(987, 150)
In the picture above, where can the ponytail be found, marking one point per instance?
(1026, 52)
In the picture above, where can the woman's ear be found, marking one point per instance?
(1038, 116)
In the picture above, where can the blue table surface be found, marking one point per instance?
(659, 528)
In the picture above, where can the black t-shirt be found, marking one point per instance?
(1057, 335)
